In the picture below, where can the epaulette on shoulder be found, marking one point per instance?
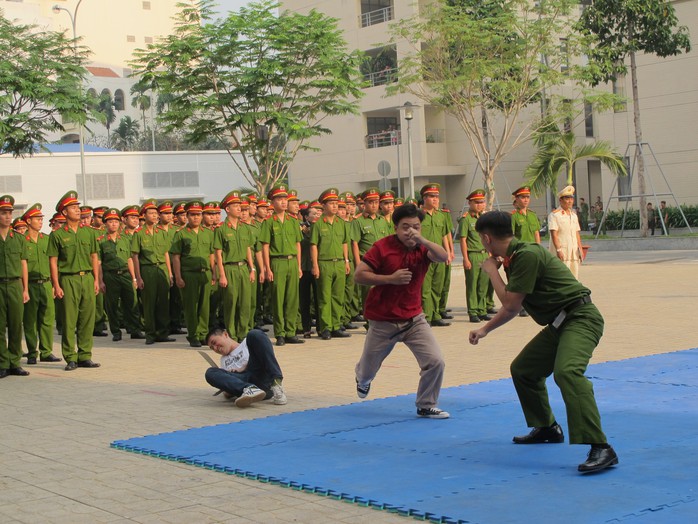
(138, 229)
(558, 210)
(513, 211)
(101, 237)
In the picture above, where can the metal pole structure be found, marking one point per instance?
(81, 129)
(409, 115)
(398, 136)
(152, 117)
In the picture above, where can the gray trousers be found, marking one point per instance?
(417, 336)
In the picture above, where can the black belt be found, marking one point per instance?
(39, 281)
(477, 251)
(331, 260)
(202, 270)
(285, 257)
(120, 271)
(562, 315)
(79, 273)
(151, 265)
(241, 263)
(6, 280)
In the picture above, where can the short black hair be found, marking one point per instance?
(305, 212)
(495, 223)
(216, 331)
(407, 211)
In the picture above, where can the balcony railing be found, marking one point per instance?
(379, 78)
(376, 17)
(383, 139)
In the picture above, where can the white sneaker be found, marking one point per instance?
(279, 397)
(432, 413)
(249, 395)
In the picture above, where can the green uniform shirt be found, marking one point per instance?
(306, 261)
(114, 253)
(525, 226)
(73, 249)
(256, 227)
(366, 231)
(466, 229)
(149, 246)
(36, 257)
(434, 227)
(12, 252)
(233, 242)
(194, 248)
(329, 238)
(281, 237)
(547, 283)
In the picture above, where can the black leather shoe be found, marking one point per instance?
(116, 337)
(294, 340)
(280, 341)
(339, 334)
(307, 334)
(350, 326)
(485, 317)
(50, 358)
(71, 366)
(474, 319)
(31, 361)
(359, 318)
(446, 316)
(177, 331)
(195, 344)
(267, 320)
(440, 323)
(325, 334)
(149, 341)
(598, 459)
(99, 333)
(88, 364)
(137, 335)
(18, 372)
(3, 373)
(523, 313)
(551, 435)
(492, 311)
(164, 339)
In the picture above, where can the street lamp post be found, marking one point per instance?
(409, 115)
(81, 130)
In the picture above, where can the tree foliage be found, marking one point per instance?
(251, 77)
(486, 62)
(126, 134)
(41, 75)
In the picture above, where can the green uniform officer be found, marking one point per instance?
(366, 229)
(118, 278)
(233, 241)
(443, 300)
(474, 254)
(524, 222)
(263, 312)
(540, 282)
(151, 265)
(351, 301)
(13, 291)
(211, 221)
(193, 268)
(435, 229)
(330, 256)
(39, 312)
(166, 224)
(86, 220)
(72, 252)
(281, 244)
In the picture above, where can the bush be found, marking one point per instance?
(614, 219)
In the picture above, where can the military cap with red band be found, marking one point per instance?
(7, 203)
(165, 206)
(399, 202)
(130, 211)
(58, 218)
(388, 196)
(478, 194)
(522, 191)
(316, 205)
(431, 188)
(194, 206)
(99, 211)
(244, 203)
(342, 202)
(262, 202)
(371, 193)
(212, 207)
(304, 205)
(179, 208)
(329, 195)
(349, 197)
(252, 197)
(33, 212)
(292, 195)
(69, 199)
(279, 190)
(112, 214)
(231, 198)
(18, 222)
(149, 204)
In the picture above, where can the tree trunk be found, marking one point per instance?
(488, 173)
(638, 148)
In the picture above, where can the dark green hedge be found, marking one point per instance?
(614, 219)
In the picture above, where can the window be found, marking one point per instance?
(166, 179)
(92, 93)
(380, 67)
(105, 92)
(11, 184)
(146, 6)
(382, 131)
(148, 39)
(564, 55)
(101, 186)
(588, 120)
(375, 12)
(119, 100)
(130, 38)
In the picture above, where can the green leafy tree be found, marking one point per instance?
(619, 30)
(485, 62)
(105, 110)
(259, 81)
(557, 150)
(140, 99)
(41, 76)
(126, 134)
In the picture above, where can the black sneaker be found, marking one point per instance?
(432, 413)
(362, 391)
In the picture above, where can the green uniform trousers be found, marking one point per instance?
(284, 296)
(349, 303)
(78, 316)
(155, 301)
(476, 285)
(100, 313)
(39, 317)
(176, 310)
(237, 300)
(196, 297)
(215, 310)
(443, 300)
(120, 302)
(432, 288)
(58, 308)
(11, 312)
(565, 353)
(330, 289)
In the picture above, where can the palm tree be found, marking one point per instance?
(105, 106)
(140, 99)
(556, 149)
(126, 134)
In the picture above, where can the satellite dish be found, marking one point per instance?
(384, 168)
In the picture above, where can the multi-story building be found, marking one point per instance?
(349, 157)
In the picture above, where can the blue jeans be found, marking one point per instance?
(262, 368)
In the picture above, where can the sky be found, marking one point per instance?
(231, 5)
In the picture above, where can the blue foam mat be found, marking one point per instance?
(465, 469)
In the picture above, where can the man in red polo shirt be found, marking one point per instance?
(395, 266)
